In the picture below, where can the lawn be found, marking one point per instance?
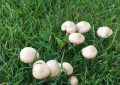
(37, 23)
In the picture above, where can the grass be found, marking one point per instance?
(36, 23)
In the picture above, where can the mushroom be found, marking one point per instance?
(89, 52)
(104, 32)
(28, 55)
(54, 68)
(69, 27)
(83, 26)
(40, 70)
(76, 38)
(68, 68)
(73, 80)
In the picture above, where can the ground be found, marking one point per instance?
(37, 23)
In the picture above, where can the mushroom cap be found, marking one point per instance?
(28, 55)
(83, 26)
(76, 38)
(40, 70)
(73, 80)
(89, 52)
(104, 32)
(54, 68)
(69, 27)
(68, 68)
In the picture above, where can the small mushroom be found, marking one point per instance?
(28, 55)
(73, 80)
(76, 38)
(40, 70)
(83, 26)
(68, 68)
(104, 32)
(54, 68)
(69, 27)
(89, 52)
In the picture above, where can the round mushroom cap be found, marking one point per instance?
(76, 38)
(73, 80)
(40, 70)
(69, 27)
(83, 26)
(28, 55)
(89, 52)
(104, 32)
(68, 68)
(54, 68)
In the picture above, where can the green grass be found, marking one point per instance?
(37, 23)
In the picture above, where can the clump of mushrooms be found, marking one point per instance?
(76, 38)
(28, 55)
(69, 27)
(73, 80)
(104, 32)
(83, 26)
(54, 68)
(89, 52)
(40, 70)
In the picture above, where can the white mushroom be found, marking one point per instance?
(76, 38)
(69, 27)
(89, 52)
(73, 80)
(83, 26)
(28, 55)
(68, 68)
(54, 68)
(104, 32)
(40, 70)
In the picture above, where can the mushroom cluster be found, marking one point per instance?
(52, 68)
(43, 70)
(76, 36)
